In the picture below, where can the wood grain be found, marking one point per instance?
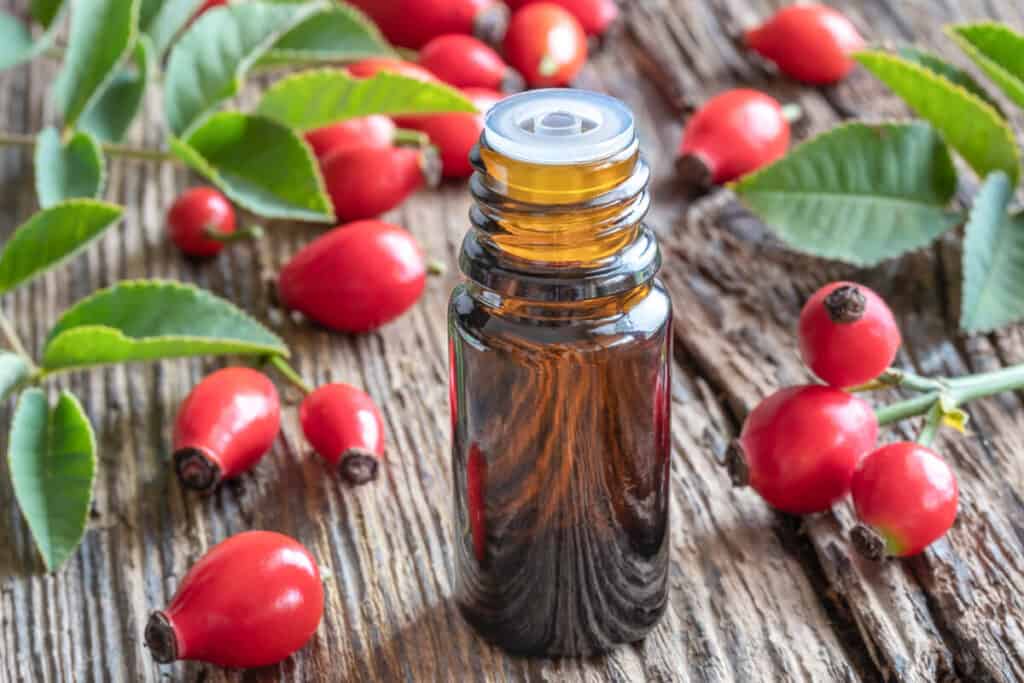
(754, 596)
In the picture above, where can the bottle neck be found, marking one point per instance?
(559, 233)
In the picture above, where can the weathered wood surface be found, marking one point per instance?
(754, 595)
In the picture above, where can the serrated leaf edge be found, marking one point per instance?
(359, 17)
(979, 57)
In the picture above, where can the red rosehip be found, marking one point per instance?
(848, 335)
(367, 181)
(374, 65)
(456, 133)
(343, 425)
(411, 23)
(811, 43)
(595, 16)
(907, 495)
(197, 217)
(251, 601)
(734, 133)
(800, 446)
(366, 131)
(546, 44)
(356, 277)
(224, 426)
(476, 500)
(465, 62)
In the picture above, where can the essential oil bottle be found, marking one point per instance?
(560, 353)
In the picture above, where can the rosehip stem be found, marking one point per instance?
(253, 232)
(931, 424)
(22, 140)
(792, 112)
(405, 136)
(290, 374)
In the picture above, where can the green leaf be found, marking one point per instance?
(259, 163)
(968, 123)
(163, 22)
(45, 11)
(110, 114)
(859, 193)
(51, 236)
(998, 50)
(102, 34)
(993, 266)
(152, 319)
(948, 71)
(13, 370)
(209, 63)
(52, 458)
(16, 44)
(67, 171)
(338, 34)
(312, 99)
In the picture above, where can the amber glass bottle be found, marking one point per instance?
(560, 348)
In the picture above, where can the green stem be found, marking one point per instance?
(15, 341)
(22, 140)
(253, 232)
(931, 425)
(405, 136)
(792, 112)
(901, 378)
(290, 374)
(894, 412)
(964, 389)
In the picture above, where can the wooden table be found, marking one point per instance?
(755, 595)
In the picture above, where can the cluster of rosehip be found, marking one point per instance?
(741, 130)
(805, 447)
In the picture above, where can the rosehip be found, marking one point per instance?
(251, 601)
(811, 43)
(465, 62)
(546, 44)
(734, 133)
(476, 500)
(344, 426)
(199, 220)
(595, 16)
(366, 131)
(456, 133)
(367, 181)
(411, 23)
(374, 65)
(800, 446)
(848, 335)
(907, 495)
(225, 425)
(356, 277)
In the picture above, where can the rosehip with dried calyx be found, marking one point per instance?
(356, 277)
(372, 66)
(344, 425)
(546, 44)
(455, 134)
(251, 601)
(734, 133)
(811, 43)
(411, 23)
(225, 425)
(799, 447)
(465, 62)
(906, 498)
(848, 335)
(202, 221)
(367, 181)
(595, 16)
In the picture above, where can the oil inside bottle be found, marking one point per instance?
(560, 350)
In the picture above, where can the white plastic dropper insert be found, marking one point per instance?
(559, 126)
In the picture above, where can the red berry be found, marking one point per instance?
(344, 426)
(356, 277)
(546, 44)
(366, 131)
(224, 426)
(465, 62)
(811, 43)
(595, 16)
(908, 495)
(455, 134)
(374, 65)
(251, 601)
(197, 214)
(412, 23)
(476, 500)
(800, 446)
(734, 133)
(848, 335)
(367, 181)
